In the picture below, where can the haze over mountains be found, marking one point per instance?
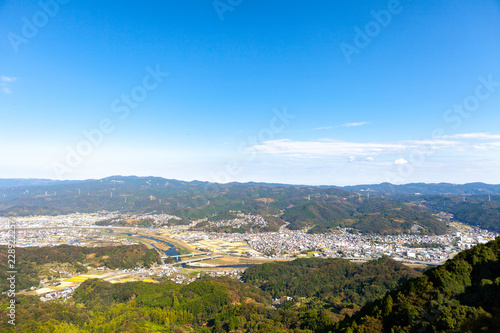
(424, 188)
(410, 188)
(20, 182)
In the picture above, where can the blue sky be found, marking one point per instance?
(330, 92)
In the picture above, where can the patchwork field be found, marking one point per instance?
(214, 245)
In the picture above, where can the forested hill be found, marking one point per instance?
(480, 210)
(340, 285)
(474, 203)
(461, 296)
(315, 208)
(35, 263)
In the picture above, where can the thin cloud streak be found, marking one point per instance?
(480, 136)
(322, 128)
(325, 147)
(4, 78)
(329, 147)
(355, 124)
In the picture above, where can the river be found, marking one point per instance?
(172, 251)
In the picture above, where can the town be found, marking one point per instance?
(226, 254)
(81, 229)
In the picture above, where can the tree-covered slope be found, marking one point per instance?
(319, 208)
(339, 283)
(463, 295)
(218, 305)
(369, 215)
(35, 263)
(479, 210)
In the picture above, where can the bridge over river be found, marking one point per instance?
(188, 255)
(195, 260)
(194, 257)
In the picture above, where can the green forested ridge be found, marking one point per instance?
(336, 283)
(479, 210)
(203, 306)
(319, 208)
(34, 263)
(374, 215)
(485, 215)
(474, 203)
(461, 296)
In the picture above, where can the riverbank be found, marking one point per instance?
(120, 235)
(181, 247)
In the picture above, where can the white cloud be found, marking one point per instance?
(446, 143)
(486, 145)
(322, 128)
(370, 159)
(355, 124)
(433, 144)
(479, 136)
(323, 147)
(400, 161)
(317, 129)
(331, 148)
(4, 78)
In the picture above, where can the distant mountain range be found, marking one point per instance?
(367, 208)
(385, 188)
(423, 188)
(28, 182)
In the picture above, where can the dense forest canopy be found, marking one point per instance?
(338, 282)
(35, 263)
(463, 295)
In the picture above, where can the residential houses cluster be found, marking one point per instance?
(80, 229)
(77, 236)
(347, 244)
(65, 293)
(158, 219)
(241, 220)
